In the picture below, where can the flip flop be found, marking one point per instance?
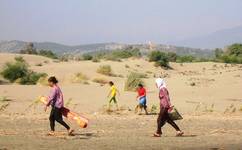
(70, 133)
(51, 133)
(156, 135)
(180, 133)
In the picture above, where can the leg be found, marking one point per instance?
(161, 120)
(52, 119)
(136, 109)
(59, 119)
(109, 103)
(115, 102)
(173, 124)
(145, 108)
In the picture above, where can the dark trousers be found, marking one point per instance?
(55, 115)
(163, 118)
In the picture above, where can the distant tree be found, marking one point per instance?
(218, 52)
(29, 49)
(87, 56)
(160, 58)
(155, 56)
(47, 53)
(235, 50)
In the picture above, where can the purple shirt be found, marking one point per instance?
(56, 97)
(164, 98)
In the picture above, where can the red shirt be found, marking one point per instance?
(141, 92)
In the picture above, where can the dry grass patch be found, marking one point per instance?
(133, 80)
(105, 70)
(101, 81)
(80, 78)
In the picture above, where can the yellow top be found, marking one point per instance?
(113, 91)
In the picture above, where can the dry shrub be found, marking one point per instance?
(105, 70)
(80, 78)
(126, 66)
(43, 81)
(154, 109)
(101, 81)
(240, 109)
(4, 106)
(132, 82)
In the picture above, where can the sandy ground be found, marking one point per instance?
(211, 109)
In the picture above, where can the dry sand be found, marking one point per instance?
(211, 108)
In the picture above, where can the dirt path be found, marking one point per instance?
(123, 132)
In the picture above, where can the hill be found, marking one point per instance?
(15, 46)
(218, 39)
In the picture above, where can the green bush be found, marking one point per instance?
(186, 58)
(18, 71)
(232, 54)
(87, 57)
(127, 53)
(95, 59)
(32, 78)
(235, 50)
(160, 58)
(132, 82)
(231, 59)
(47, 53)
(19, 59)
(105, 70)
(14, 71)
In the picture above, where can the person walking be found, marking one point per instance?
(165, 107)
(55, 100)
(141, 97)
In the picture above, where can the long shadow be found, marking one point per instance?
(84, 135)
(6, 100)
(184, 136)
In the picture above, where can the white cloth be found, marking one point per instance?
(160, 83)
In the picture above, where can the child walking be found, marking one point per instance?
(55, 100)
(141, 97)
(112, 95)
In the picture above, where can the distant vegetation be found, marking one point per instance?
(19, 72)
(160, 58)
(115, 55)
(30, 49)
(231, 54)
(87, 57)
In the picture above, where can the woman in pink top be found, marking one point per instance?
(56, 102)
(165, 106)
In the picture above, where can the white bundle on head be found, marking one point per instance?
(160, 83)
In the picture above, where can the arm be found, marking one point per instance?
(51, 97)
(109, 93)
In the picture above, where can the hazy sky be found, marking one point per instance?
(126, 21)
